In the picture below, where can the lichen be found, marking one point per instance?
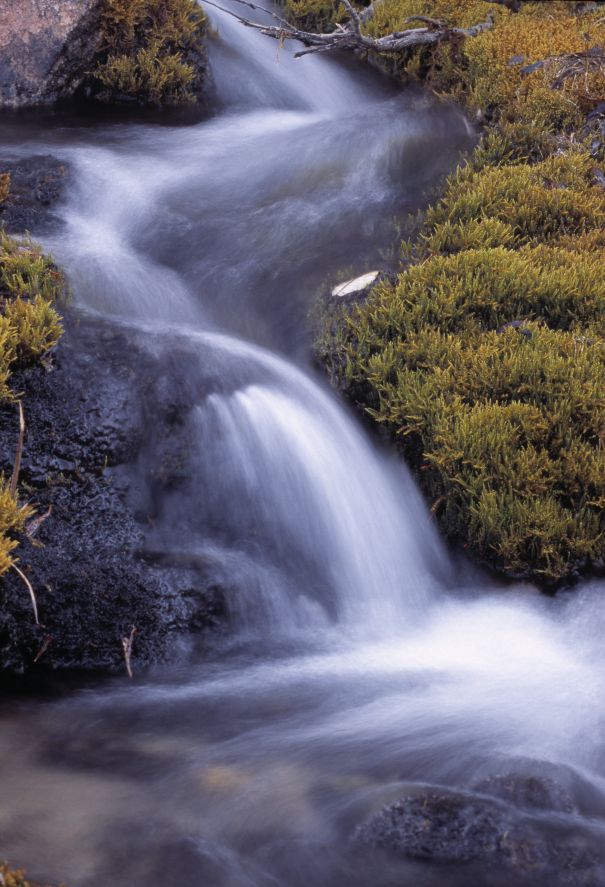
(485, 359)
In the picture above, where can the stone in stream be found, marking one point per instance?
(528, 791)
(46, 47)
(84, 470)
(37, 184)
(448, 827)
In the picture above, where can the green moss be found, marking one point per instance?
(485, 360)
(488, 369)
(30, 287)
(152, 51)
(13, 877)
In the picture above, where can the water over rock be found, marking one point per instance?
(86, 559)
(37, 183)
(448, 827)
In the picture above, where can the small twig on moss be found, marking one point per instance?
(127, 647)
(19, 453)
(32, 593)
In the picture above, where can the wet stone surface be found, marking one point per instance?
(455, 828)
(86, 435)
(37, 184)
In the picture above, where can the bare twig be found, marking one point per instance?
(19, 453)
(349, 37)
(127, 647)
(32, 594)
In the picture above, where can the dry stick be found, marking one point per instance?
(19, 453)
(30, 589)
(127, 647)
(350, 37)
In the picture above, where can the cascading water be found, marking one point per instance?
(356, 671)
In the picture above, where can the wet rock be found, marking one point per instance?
(528, 791)
(37, 184)
(86, 431)
(457, 828)
(46, 47)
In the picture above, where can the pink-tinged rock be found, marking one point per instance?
(46, 48)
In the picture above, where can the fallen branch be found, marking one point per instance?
(32, 594)
(18, 454)
(349, 37)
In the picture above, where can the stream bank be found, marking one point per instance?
(484, 359)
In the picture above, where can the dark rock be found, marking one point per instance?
(36, 186)
(457, 828)
(528, 791)
(86, 560)
(46, 48)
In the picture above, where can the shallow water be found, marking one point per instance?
(361, 663)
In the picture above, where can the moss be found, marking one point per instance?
(5, 180)
(30, 288)
(152, 51)
(485, 359)
(13, 877)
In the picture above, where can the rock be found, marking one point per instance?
(36, 186)
(528, 791)
(86, 434)
(46, 47)
(356, 287)
(459, 828)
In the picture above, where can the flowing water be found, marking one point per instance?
(360, 664)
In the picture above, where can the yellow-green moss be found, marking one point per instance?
(30, 287)
(485, 360)
(152, 51)
(13, 877)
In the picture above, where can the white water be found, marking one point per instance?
(356, 669)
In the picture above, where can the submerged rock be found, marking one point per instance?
(457, 828)
(45, 49)
(36, 186)
(86, 558)
(528, 791)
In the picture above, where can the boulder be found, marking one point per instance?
(46, 47)
(85, 555)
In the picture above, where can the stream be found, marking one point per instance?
(361, 663)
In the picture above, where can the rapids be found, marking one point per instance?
(361, 661)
